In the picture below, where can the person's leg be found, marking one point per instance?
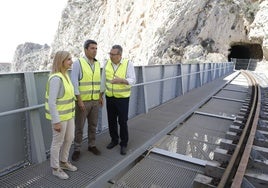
(92, 119)
(80, 119)
(57, 141)
(112, 119)
(68, 139)
(122, 106)
(92, 125)
(65, 149)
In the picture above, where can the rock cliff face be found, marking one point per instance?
(162, 32)
(30, 57)
(5, 67)
(258, 31)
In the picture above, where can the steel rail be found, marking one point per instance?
(237, 181)
(231, 168)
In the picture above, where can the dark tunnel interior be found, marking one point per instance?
(243, 52)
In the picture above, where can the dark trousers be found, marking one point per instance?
(117, 112)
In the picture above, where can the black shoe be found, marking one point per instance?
(123, 150)
(94, 150)
(111, 145)
(76, 155)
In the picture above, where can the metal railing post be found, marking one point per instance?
(39, 153)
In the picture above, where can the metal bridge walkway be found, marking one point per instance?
(96, 171)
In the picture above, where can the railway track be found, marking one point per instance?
(236, 151)
(216, 146)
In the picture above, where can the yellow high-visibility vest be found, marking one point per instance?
(117, 90)
(89, 85)
(66, 104)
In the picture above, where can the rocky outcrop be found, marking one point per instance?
(5, 67)
(161, 32)
(30, 57)
(259, 28)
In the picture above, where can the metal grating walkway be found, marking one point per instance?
(158, 171)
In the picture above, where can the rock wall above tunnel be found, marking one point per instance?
(258, 32)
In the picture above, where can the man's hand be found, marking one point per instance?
(81, 105)
(57, 127)
(118, 80)
(101, 101)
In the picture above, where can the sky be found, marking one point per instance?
(27, 21)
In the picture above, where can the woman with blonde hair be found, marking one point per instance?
(60, 107)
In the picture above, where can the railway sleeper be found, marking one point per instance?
(242, 118)
(214, 169)
(259, 165)
(245, 105)
(232, 135)
(264, 102)
(238, 123)
(235, 128)
(248, 99)
(245, 108)
(244, 111)
(257, 178)
(212, 176)
(264, 108)
(227, 144)
(261, 142)
(263, 125)
(264, 133)
(259, 152)
(261, 139)
(203, 181)
(222, 156)
(264, 115)
(258, 159)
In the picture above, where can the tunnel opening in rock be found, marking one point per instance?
(246, 55)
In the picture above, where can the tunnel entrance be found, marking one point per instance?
(246, 55)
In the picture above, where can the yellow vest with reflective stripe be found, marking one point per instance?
(117, 90)
(66, 104)
(89, 85)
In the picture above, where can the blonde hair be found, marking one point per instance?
(59, 58)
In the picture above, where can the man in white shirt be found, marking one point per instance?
(117, 78)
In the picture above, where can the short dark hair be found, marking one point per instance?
(88, 42)
(120, 49)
